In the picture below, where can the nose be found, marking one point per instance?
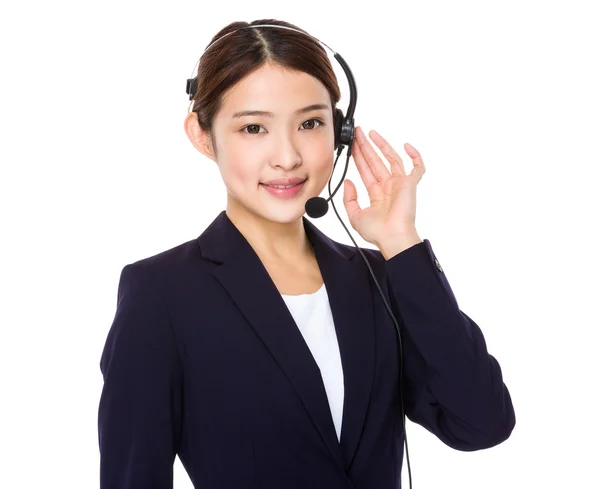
(286, 154)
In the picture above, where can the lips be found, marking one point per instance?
(284, 182)
(283, 186)
(284, 193)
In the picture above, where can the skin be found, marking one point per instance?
(258, 148)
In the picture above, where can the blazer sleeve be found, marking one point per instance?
(139, 415)
(452, 386)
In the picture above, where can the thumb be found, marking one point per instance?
(350, 199)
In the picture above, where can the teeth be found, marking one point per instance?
(281, 186)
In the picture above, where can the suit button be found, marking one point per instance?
(437, 264)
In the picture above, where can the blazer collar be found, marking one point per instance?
(348, 285)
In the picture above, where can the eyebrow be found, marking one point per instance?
(308, 108)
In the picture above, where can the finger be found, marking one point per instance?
(418, 165)
(350, 199)
(363, 167)
(377, 166)
(396, 165)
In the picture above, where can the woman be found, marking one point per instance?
(261, 352)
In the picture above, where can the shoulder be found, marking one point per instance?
(169, 270)
(164, 261)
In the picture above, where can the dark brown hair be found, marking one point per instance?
(239, 54)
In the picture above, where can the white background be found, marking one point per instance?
(501, 98)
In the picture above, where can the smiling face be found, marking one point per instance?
(288, 143)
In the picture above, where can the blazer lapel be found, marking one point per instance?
(348, 285)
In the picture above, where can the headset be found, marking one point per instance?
(317, 206)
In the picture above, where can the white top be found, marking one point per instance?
(312, 314)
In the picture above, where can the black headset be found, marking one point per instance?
(317, 206)
(343, 124)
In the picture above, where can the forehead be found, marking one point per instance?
(276, 89)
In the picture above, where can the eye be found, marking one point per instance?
(253, 126)
(250, 125)
(321, 123)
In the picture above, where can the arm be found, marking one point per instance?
(139, 415)
(451, 385)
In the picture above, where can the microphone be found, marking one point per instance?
(318, 206)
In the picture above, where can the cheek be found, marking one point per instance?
(238, 175)
(324, 167)
(231, 160)
(238, 171)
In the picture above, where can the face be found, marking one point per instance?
(291, 142)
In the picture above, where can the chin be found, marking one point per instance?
(283, 214)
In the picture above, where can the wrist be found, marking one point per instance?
(392, 245)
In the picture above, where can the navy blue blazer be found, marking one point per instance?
(204, 360)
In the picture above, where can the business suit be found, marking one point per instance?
(204, 360)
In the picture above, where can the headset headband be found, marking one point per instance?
(191, 85)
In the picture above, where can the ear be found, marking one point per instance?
(198, 137)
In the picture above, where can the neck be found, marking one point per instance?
(273, 241)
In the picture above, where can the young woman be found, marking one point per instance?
(261, 352)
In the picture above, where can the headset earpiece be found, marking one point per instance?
(344, 132)
(191, 87)
(338, 119)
